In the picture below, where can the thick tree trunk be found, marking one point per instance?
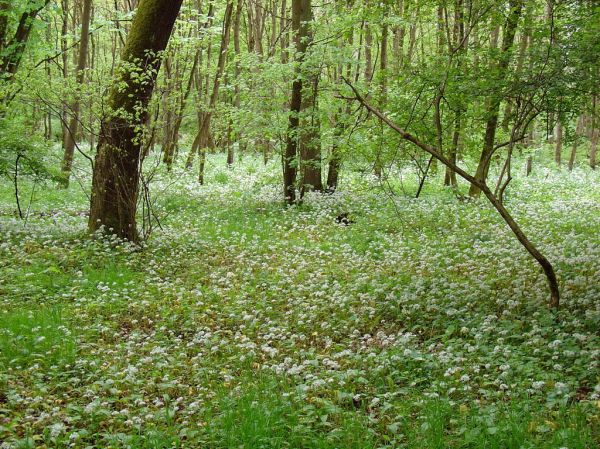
(310, 128)
(117, 166)
(489, 140)
(73, 131)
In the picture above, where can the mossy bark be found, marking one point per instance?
(117, 166)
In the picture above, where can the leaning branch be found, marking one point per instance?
(506, 216)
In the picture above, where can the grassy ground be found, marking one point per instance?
(243, 324)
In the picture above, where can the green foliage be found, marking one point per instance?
(39, 336)
(24, 153)
(267, 414)
(243, 323)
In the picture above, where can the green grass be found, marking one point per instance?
(39, 336)
(245, 324)
(267, 414)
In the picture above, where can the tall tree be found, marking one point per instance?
(73, 129)
(510, 29)
(301, 13)
(204, 131)
(117, 165)
(310, 123)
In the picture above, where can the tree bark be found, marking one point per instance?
(117, 166)
(594, 135)
(575, 144)
(558, 140)
(301, 13)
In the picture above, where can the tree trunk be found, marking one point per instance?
(204, 132)
(368, 53)
(594, 135)
(450, 175)
(301, 13)
(73, 131)
(12, 50)
(310, 138)
(558, 143)
(508, 38)
(398, 44)
(310, 127)
(171, 146)
(593, 147)
(578, 131)
(383, 61)
(116, 170)
(237, 95)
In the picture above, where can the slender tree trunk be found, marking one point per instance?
(383, 65)
(284, 34)
(170, 148)
(368, 53)
(412, 34)
(450, 175)
(201, 85)
(301, 13)
(117, 166)
(578, 131)
(461, 48)
(204, 131)
(558, 140)
(333, 171)
(594, 135)
(237, 94)
(398, 44)
(73, 131)
(489, 140)
(593, 147)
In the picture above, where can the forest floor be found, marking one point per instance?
(243, 324)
